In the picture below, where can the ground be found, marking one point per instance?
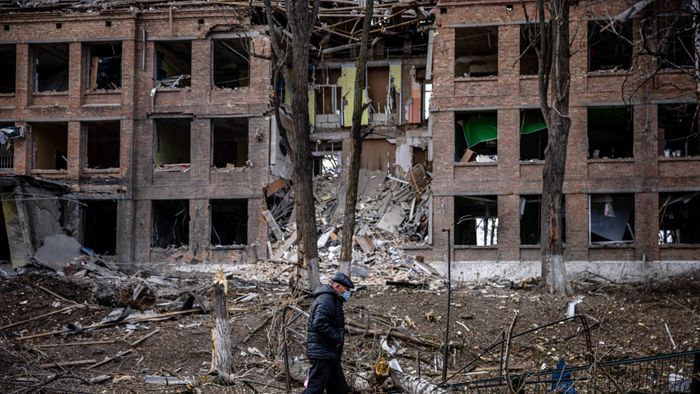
(624, 321)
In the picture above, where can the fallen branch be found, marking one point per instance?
(110, 359)
(67, 363)
(87, 343)
(138, 342)
(405, 337)
(41, 316)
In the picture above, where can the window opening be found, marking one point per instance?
(229, 222)
(230, 142)
(611, 218)
(533, 135)
(8, 65)
(171, 223)
(476, 136)
(172, 142)
(610, 133)
(609, 46)
(105, 67)
(103, 144)
(50, 145)
(678, 130)
(173, 63)
(50, 67)
(476, 220)
(529, 39)
(476, 51)
(679, 218)
(231, 63)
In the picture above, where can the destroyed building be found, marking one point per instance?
(155, 117)
(142, 125)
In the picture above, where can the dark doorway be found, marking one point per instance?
(100, 226)
(229, 222)
(171, 223)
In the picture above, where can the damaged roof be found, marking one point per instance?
(97, 5)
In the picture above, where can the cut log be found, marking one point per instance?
(412, 384)
(221, 358)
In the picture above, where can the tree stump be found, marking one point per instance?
(221, 358)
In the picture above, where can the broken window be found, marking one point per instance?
(476, 136)
(678, 130)
(50, 67)
(533, 135)
(326, 164)
(609, 45)
(50, 145)
(6, 146)
(675, 35)
(105, 66)
(531, 219)
(229, 142)
(476, 51)
(102, 144)
(100, 226)
(8, 65)
(679, 218)
(229, 222)
(231, 63)
(328, 94)
(529, 38)
(171, 223)
(173, 63)
(610, 133)
(476, 220)
(172, 142)
(611, 218)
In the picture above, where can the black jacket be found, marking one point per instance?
(326, 329)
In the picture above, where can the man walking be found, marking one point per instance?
(326, 333)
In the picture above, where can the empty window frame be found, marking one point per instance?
(8, 65)
(476, 136)
(476, 220)
(50, 145)
(229, 222)
(529, 38)
(7, 148)
(531, 219)
(100, 226)
(229, 142)
(172, 141)
(609, 46)
(378, 90)
(231, 63)
(533, 135)
(102, 144)
(679, 218)
(678, 130)
(104, 68)
(328, 93)
(50, 67)
(675, 36)
(171, 223)
(610, 132)
(611, 218)
(173, 63)
(476, 51)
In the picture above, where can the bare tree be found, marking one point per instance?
(553, 53)
(356, 153)
(301, 17)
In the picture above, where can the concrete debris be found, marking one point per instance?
(57, 251)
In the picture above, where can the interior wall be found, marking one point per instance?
(50, 145)
(378, 154)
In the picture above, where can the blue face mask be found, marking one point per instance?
(346, 295)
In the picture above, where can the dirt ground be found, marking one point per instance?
(624, 321)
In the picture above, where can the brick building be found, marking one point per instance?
(151, 115)
(154, 117)
(630, 188)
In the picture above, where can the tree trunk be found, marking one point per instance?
(301, 21)
(554, 278)
(221, 358)
(356, 135)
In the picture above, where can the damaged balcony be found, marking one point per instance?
(231, 68)
(50, 147)
(611, 218)
(170, 224)
(476, 221)
(103, 146)
(173, 64)
(8, 65)
(171, 150)
(229, 144)
(7, 147)
(229, 223)
(679, 218)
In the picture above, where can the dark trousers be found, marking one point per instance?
(326, 375)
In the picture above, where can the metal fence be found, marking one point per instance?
(6, 156)
(664, 373)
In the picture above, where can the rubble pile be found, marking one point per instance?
(392, 213)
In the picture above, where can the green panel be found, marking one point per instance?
(480, 129)
(347, 83)
(532, 124)
(395, 73)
